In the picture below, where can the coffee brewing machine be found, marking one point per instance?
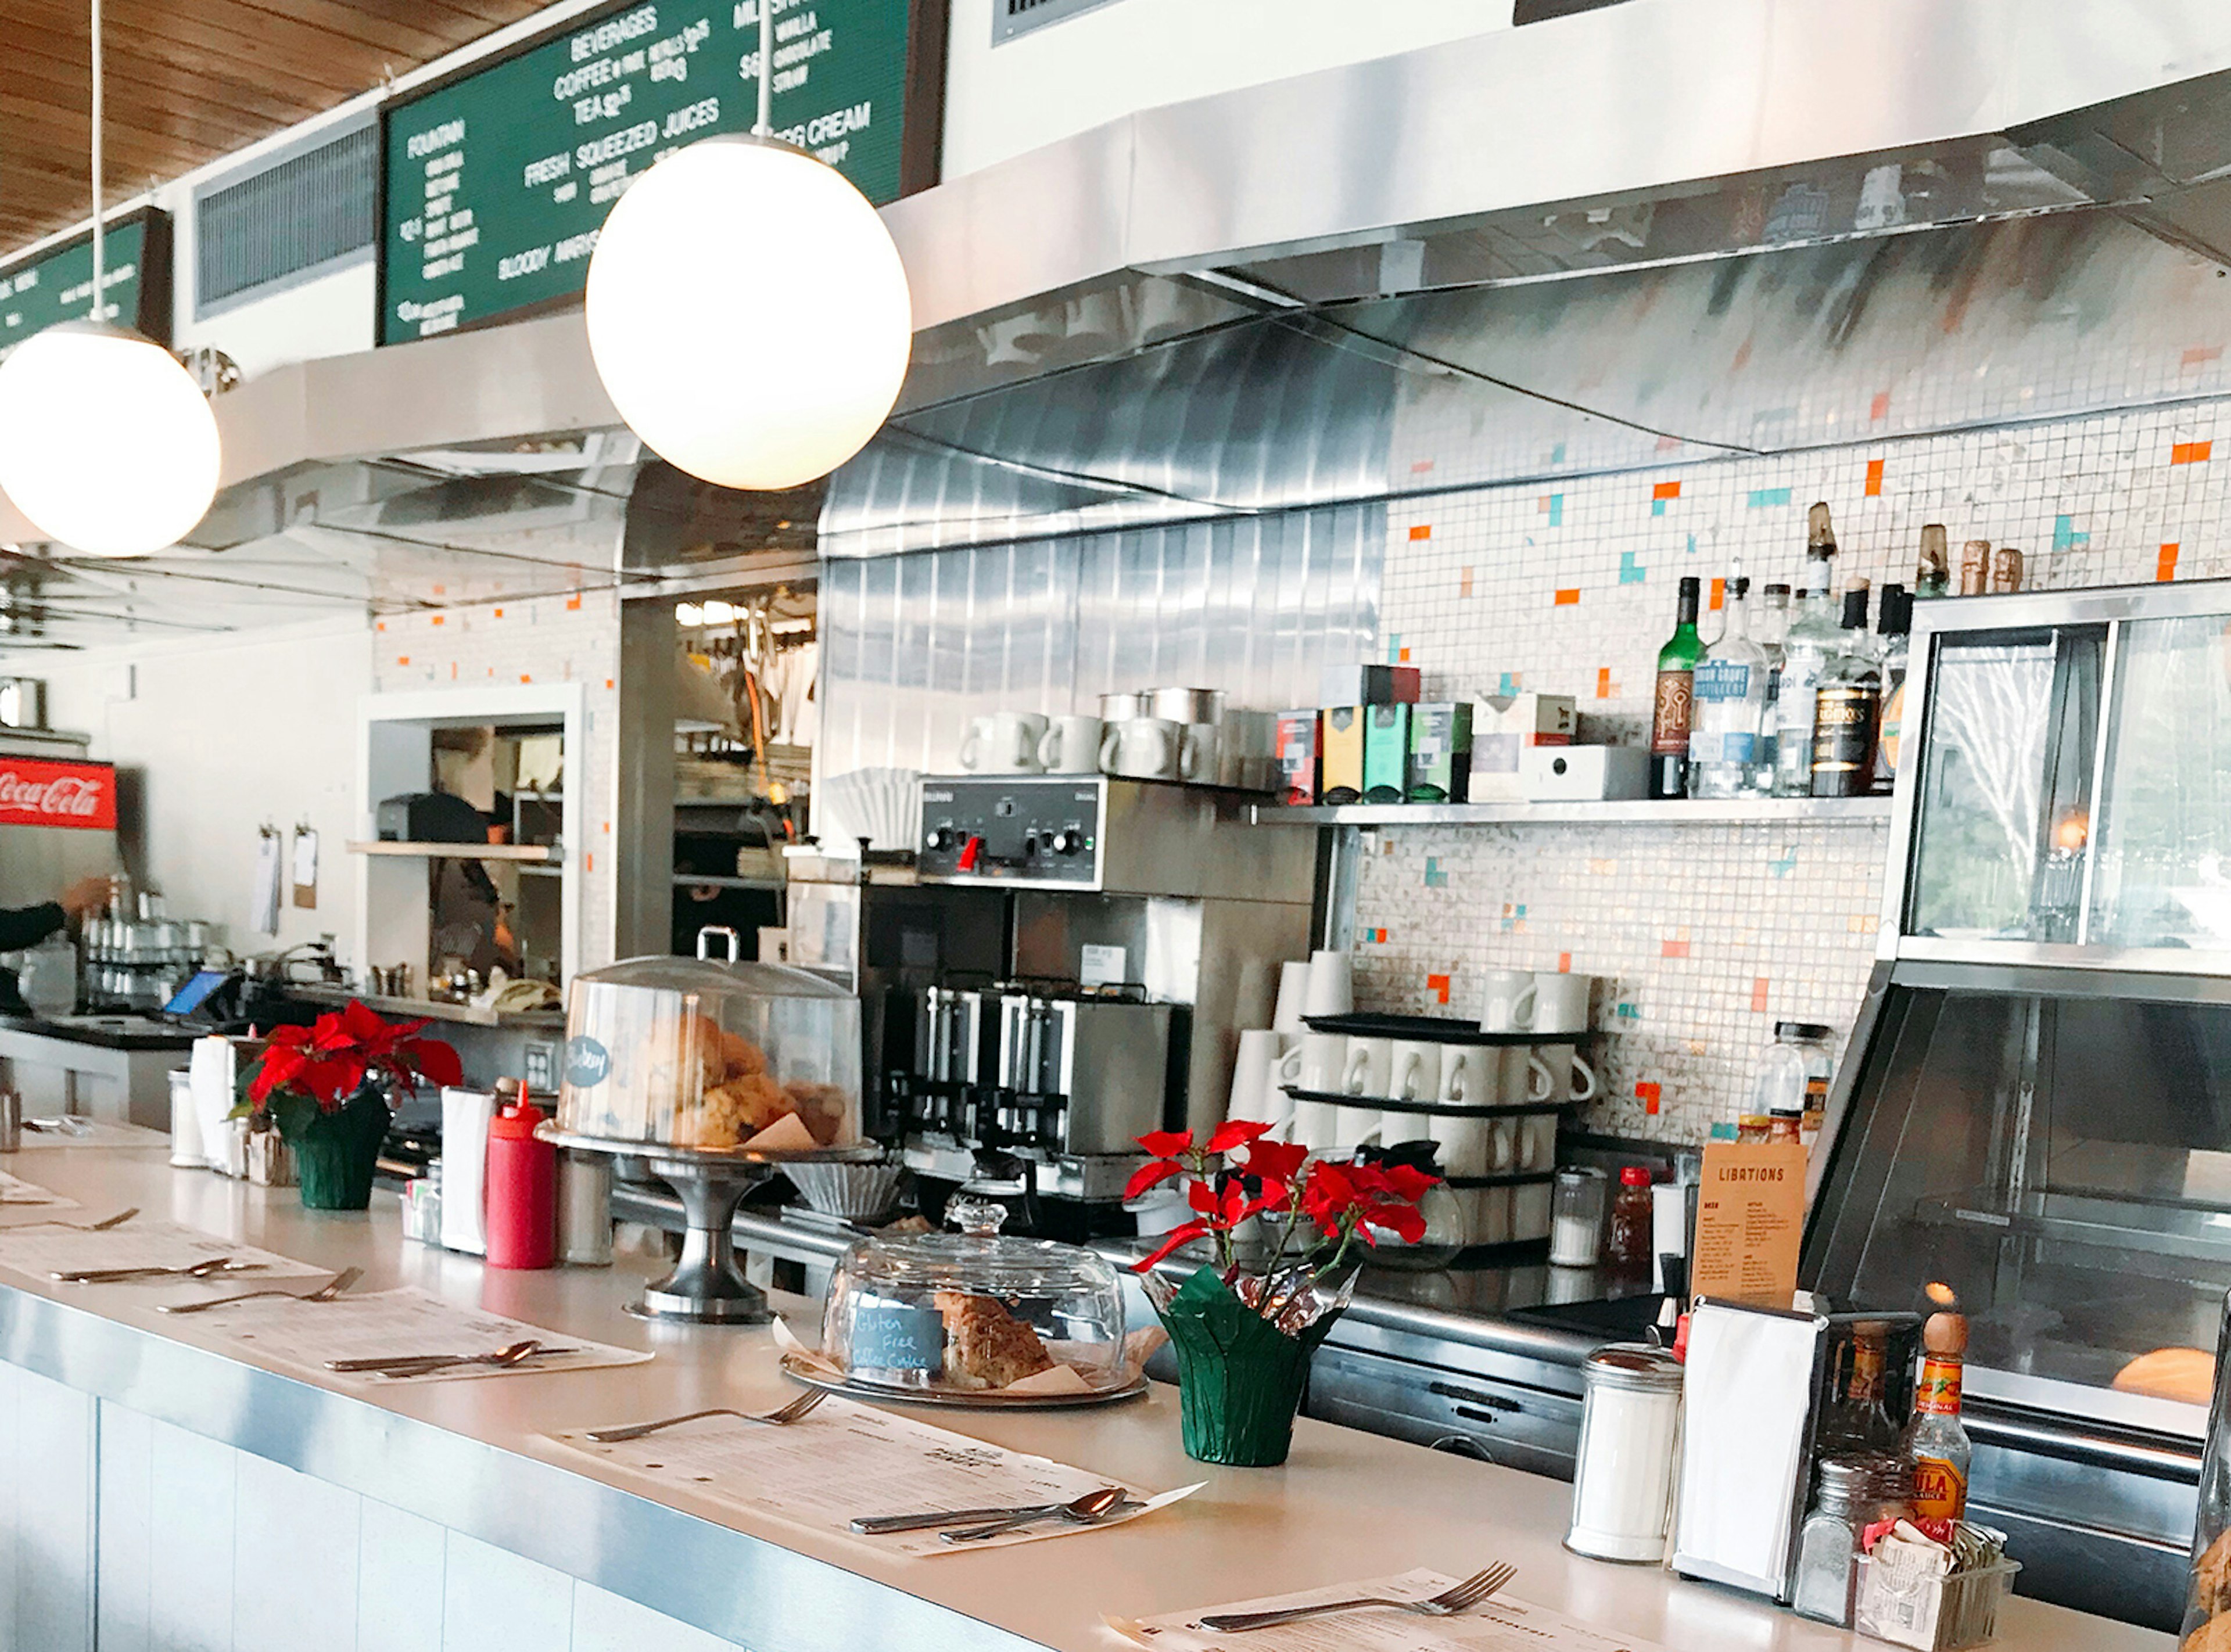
(1065, 966)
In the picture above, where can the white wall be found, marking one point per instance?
(227, 733)
(1135, 55)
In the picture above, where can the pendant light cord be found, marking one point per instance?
(765, 126)
(98, 307)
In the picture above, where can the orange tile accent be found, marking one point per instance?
(1570, 598)
(438, 618)
(441, 591)
(379, 625)
(526, 677)
(1673, 949)
(1564, 963)
(1404, 659)
(1874, 478)
(1650, 1094)
(1758, 995)
(589, 862)
(1879, 408)
(2165, 565)
(2201, 354)
(1603, 682)
(453, 671)
(1719, 594)
(574, 602)
(608, 682)
(2190, 453)
(1422, 530)
(1420, 467)
(1438, 985)
(499, 613)
(402, 659)
(1666, 490)
(1464, 582)
(608, 828)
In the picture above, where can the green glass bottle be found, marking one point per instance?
(1675, 696)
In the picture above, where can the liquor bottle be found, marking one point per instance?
(1891, 650)
(1858, 1420)
(1932, 576)
(1729, 706)
(1846, 709)
(1935, 1442)
(1812, 643)
(1770, 631)
(1670, 707)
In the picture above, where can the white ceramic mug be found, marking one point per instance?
(1317, 1061)
(1254, 1074)
(1142, 748)
(1003, 743)
(1526, 1077)
(1537, 1143)
(1370, 1068)
(1487, 1215)
(1332, 985)
(1293, 998)
(1414, 1069)
(1561, 1002)
(1506, 1000)
(1071, 745)
(1571, 1079)
(1200, 753)
(1502, 1147)
(1471, 1075)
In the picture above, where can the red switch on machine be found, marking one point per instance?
(969, 851)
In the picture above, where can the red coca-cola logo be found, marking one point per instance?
(57, 794)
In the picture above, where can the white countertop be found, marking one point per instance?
(1347, 1506)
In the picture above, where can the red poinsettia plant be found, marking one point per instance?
(306, 1073)
(1318, 1207)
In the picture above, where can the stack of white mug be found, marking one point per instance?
(1289, 1055)
(1156, 734)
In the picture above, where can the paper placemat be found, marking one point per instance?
(399, 1322)
(1500, 1623)
(75, 1131)
(844, 1461)
(42, 1252)
(17, 1194)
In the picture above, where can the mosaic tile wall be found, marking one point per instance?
(1707, 935)
(571, 638)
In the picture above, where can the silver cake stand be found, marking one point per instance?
(706, 1287)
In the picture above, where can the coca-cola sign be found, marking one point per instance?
(33, 793)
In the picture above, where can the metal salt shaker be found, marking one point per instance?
(584, 1210)
(11, 1121)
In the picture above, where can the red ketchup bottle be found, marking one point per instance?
(522, 1189)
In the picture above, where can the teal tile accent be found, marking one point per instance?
(1435, 878)
(1631, 572)
(1557, 453)
(1784, 863)
(1394, 649)
(1629, 1012)
(1657, 507)
(1760, 496)
(2065, 536)
(1558, 504)
(1508, 684)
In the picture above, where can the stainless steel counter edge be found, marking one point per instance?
(727, 1583)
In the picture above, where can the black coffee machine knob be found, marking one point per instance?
(940, 839)
(1066, 842)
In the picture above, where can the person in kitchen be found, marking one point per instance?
(23, 926)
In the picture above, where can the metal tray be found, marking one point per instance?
(980, 1400)
(1439, 1029)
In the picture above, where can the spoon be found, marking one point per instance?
(325, 1293)
(1082, 1512)
(418, 1365)
(202, 1269)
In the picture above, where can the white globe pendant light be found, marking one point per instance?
(747, 310)
(107, 443)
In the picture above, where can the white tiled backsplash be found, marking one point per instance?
(1707, 935)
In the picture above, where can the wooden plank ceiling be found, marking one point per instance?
(191, 81)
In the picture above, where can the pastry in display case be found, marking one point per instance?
(752, 1059)
(972, 1315)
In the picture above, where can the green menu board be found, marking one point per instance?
(496, 183)
(56, 284)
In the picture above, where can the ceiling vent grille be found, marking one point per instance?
(275, 225)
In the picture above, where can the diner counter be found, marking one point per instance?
(471, 1459)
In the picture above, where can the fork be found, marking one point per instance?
(202, 1269)
(325, 1293)
(1457, 1598)
(101, 1226)
(790, 1413)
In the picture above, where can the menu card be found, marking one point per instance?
(42, 1252)
(1750, 1214)
(401, 1324)
(15, 1192)
(844, 1461)
(1499, 1624)
(73, 1131)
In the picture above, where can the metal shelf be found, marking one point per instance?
(462, 851)
(1740, 811)
(552, 1019)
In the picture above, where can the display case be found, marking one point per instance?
(973, 1312)
(2036, 1104)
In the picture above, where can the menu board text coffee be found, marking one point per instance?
(81, 795)
(496, 184)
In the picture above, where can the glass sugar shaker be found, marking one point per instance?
(1826, 1584)
(1630, 1439)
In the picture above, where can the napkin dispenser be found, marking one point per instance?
(1748, 1409)
(465, 1115)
